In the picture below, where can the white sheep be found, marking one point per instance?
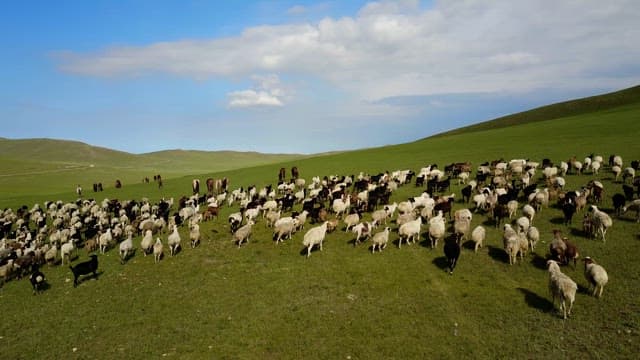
(533, 236)
(529, 212)
(478, 235)
(194, 235)
(562, 287)
(380, 240)
(595, 167)
(301, 219)
(635, 206)
(617, 160)
(378, 217)
(315, 236)
(146, 244)
(243, 234)
(405, 207)
(157, 250)
(283, 228)
(437, 229)
(126, 247)
(601, 221)
(252, 214)
(409, 230)
(272, 217)
(522, 224)
(105, 240)
(405, 218)
(461, 228)
(50, 255)
(65, 251)
(617, 170)
(173, 240)
(339, 206)
(512, 208)
(596, 275)
(351, 220)
(628, 172)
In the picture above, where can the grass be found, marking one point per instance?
(269, 301)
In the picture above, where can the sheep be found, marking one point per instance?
(507, 233)
(146, 244)
(50, 255)
(38, 280)
(126, 247)
(315, 236)
(533, 236)
(173, 240)
(568, 209)
(85, 268)
(478, 235)
(512, 208)
(380, 240)
(452, 252)
(557, 247)
(158, 249)
(301, 219)
(6, 271)
(362, 230)
(618, 201)
(595, 167)
(272, 217)
(235, 220)
(437, 228)
(65, 251)
(617, 170)
(562, 287)
(339, 206)
(461, 228)
(601, 221)
(596, 275)
(409, 230)
(571, 252)
(512, 247)
(194, 235)
(635, 206)
(283, 229)
(350, 221)
(523, 224)
(252, 214)
(243, 234)
(105, 240)
(628, 172)
(378, 217)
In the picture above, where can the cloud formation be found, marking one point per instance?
(266, 92)
(391, 49)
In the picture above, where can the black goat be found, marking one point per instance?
(38, 280)
(628, 191)
(452, 252)
(568, 209)
(466, 193)
(618, 202)
(85, 268)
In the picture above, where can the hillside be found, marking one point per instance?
(586, 105)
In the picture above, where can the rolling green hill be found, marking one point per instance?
(264, 300)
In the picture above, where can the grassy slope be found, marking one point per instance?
(263, 300)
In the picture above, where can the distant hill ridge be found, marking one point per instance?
(554, 111)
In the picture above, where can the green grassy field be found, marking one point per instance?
(269, 301)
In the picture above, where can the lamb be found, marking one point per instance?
(596, 275)
(635, 206)
(437, 229)
(478, 235)
(315, 236)
(562, 287)
(380, 240)
(409, 230)
(126, 247)
(243, 234)
(452, 252)
(194, 235)
(601, 221)
(85, 268)
(146, 244)
(362, 230)
(158, 249)
(173, 240)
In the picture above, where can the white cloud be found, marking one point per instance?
(400, 48)
(267, 91)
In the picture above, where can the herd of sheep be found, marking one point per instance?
(32, 237)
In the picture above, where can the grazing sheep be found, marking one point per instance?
(409, 230)
(38, 280)
(146, 244)
(380, 240)
(173, 240)
(452, 252)
(635, 206)
(601, 221)
(596, 275)
(595, 167)
(194, 235)
(85, 268)
(478, 235)
(315, 236)
(126, 247)
(243, 234)
(562, 287)
(158, 249)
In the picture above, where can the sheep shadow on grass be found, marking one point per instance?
(539, 262)
(83, 278)
(441, 262)
(536, 301)
(469, 245)
(558, 220)
(498, 254)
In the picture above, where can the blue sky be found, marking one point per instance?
(298, 76)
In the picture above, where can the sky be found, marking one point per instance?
(298, 76)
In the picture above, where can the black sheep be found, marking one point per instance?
(38, 280)
(85, 268)
(466, 193)
(628, 191)
(452, 252)
(618, 202)
(568, 209)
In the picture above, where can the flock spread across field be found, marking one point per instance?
(506, 194)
